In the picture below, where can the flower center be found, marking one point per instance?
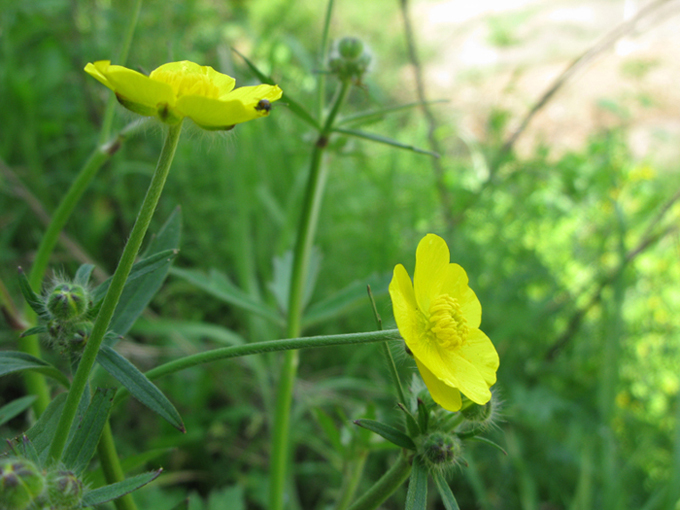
(446, 322)
(187, 83)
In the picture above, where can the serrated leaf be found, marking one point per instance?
(14, 361)
(15, 407)
(83, 274)
(346, 298)
(116, 490)
(388, 432)
(448, 499)
(416, 497)
(218, 285)
(80, 450)
(294, 106)
(384, 140)
(139, 385)
(30, 296)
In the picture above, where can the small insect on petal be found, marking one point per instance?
(263, 105)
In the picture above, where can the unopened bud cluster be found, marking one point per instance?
(350, 60)
(441, 450)
(24, 486)
(69, 326)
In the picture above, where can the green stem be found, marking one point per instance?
(303, 246)
(352, 476)
(323, 58)
(127, 259)
(386, 486)
(113, 472)
(261, 347)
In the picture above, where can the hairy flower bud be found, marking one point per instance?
(350, 48)
(440, 450)
(478, 413)
(350, 60)
(21, 482)
(68, 301)
(64, 489)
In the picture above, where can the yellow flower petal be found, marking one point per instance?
(404, 304)
(234, 108)
(455, 283)
(133, 87)
(451, 368)
(432, 262)
(481, 353)
(190, 71)
(446, 396)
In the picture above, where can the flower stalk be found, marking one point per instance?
(306, 231)
(115, 290)
(386, 486)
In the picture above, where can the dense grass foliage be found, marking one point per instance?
(574, 257)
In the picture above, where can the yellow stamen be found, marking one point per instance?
(446, 322)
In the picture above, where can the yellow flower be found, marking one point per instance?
(439, 316)
(184, 89)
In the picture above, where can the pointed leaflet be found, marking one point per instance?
(86, 437)
(42, 432)
(416, 497)
(390, 433)
(448, 499)
(96, 478)
(30, 296)
(411, 423)
(139, 385)
(423, 416)
(116, 490)
(83, 274)
(13, 361)
(384, 140)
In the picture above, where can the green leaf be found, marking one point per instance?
(423, 416)
(328, 426)
(411, 424)
(96, 478)
(13, 361)
(384, 140)
(30, 296)
(116, 490)
(379, 114)
(388, 432)
(345, 299)
(42, 432)
(28, 451)
(139, 385)
(148, 275)
(83, 274)
(34, 331)
(489, 442)
(283, 269)
(294, 106)
(218, 285)
(448, 499)
(80, 450)
(15, 407)
(416, 497)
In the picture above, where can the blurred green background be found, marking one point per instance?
(570, 238)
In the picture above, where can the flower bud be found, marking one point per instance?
(478, 413)
(64, 489)
(21, 483)
(440, 450)
(350, 48)
(67, 301)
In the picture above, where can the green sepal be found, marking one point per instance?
(14, 361)
(448, 499)
(416, 497)
(33, 300)
(80, 450)
(393, 435)
(423, 416)
(116, 490)
(28, 451)
(35, 330)
(411, 423)
(139, 385)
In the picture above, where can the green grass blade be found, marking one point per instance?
(116, 490)
(15, 407)
(384, 140)
(14, 361)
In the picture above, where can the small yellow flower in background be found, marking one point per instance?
(184, 89)
(438, 315)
